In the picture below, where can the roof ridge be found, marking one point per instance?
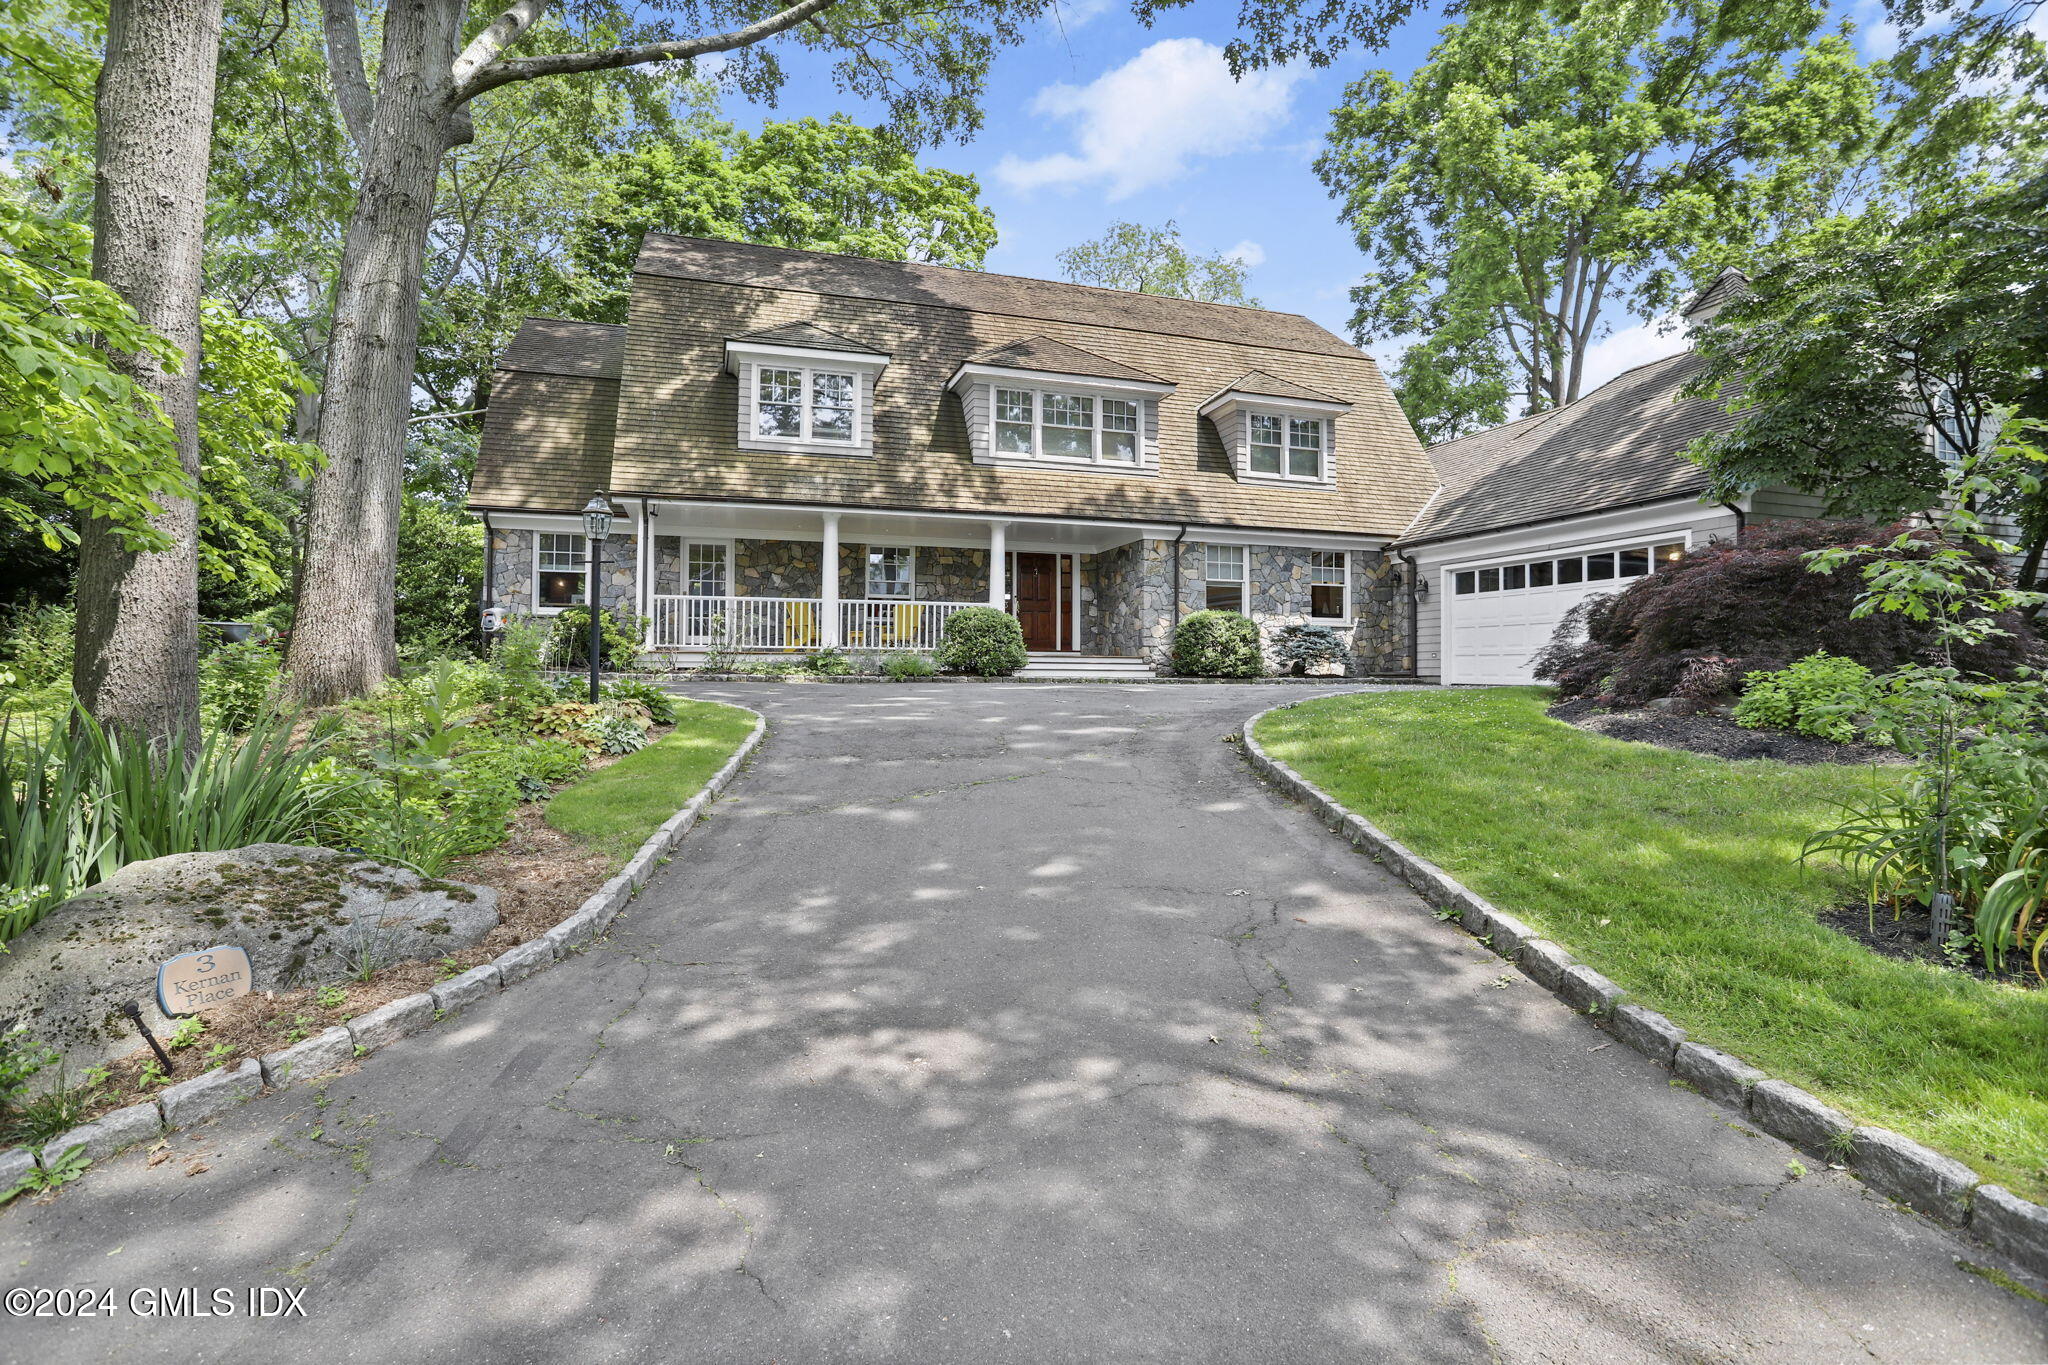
(997, 274)
(573, 322)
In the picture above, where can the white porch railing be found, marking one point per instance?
(750, 623)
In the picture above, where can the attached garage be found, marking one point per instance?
(1497, 615)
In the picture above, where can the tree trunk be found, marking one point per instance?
(137, 661)
(342, 633)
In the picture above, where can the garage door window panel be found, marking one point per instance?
(1489, 580)
(1635, 563)
(1599, 567)
(1540, 573)
(1466, 583)
(1571, 571)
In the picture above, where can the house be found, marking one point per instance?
(1533, 517)
(811, 450)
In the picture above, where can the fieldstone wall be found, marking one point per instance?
(778, 568)
(1379, 604)
(512, 571)
(951, 574)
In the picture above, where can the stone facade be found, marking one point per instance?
(512, 570)
(1127, 604)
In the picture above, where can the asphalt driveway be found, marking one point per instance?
(1010, 1023)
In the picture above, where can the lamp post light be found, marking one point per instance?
(597, 525)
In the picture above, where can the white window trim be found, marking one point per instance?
(540, 608)
(1616, 548)
(805, 404)
(1243, 579)
(1325, 431)
(867, 582)
(1232, 412)
(683, 544)
(1347, 617)
(1096, 398)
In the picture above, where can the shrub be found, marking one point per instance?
(1753, 604)
(570, 645)
(659, 705)
(616, 735)
(1217, 644)
(1304, 646)
(236, 682)
(982, 641)
(902, 666)
(35, 646)
(828, 663)
(1821, 695)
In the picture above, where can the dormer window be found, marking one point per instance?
(1041, 402)
(1277, 432)
(805, 390)
(795, 403)
(1050, 425)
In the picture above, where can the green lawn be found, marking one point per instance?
(1678, 877)
(616, 808)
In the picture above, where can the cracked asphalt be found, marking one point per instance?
(1009, 1023)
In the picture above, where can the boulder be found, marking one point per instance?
(305, 916)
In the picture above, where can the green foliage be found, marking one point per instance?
(981, 641)
(21, 1061)
(905, 666)
(1217, 644)
(52, 1174)
(1543, 165)
(618, 806)
(70, 425)
(1153, 261)
(1857, 338)
(659, 705)
(569, 645)
(35, 645)
(827, 663)
(1820, 695)
(616, 735)
(237, 682)
(820, 186)
(440, 577)
(1303, 645)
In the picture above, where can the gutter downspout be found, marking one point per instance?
(490, 582)
(1414, 615)
(1173, 625)
(1741, 518)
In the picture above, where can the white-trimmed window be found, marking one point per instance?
(892, 570)
(803, 403)
(559, 569)
(1046, 424)
(1305, 448)
(1283, 447)
(1269, 437)
(1329, 585)
(1223, 566)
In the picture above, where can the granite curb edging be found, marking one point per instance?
(948, 679)
(1892, 1164)
(214, 1092)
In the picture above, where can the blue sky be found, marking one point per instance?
(1096, 118)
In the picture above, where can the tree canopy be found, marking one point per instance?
(1150, 260)
(1541, 168)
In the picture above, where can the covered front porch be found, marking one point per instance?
(752, 579)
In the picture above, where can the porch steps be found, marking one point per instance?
(1067, 664)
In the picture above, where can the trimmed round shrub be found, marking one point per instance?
(1217, 644)
(982, 641)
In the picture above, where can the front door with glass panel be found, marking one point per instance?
(706, 576)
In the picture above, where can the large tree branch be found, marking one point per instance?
(480, 69)
(345, 69)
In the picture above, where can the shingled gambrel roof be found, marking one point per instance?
(976, 291)
(1619, 446)
(806, 335)
(1259, 384)
(558, 346)
(1047, 356)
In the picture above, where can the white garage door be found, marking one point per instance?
(1501, 614)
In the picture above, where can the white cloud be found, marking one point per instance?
(1143, 123)
(1247, 253)
(1068, 15)
(1630, 347)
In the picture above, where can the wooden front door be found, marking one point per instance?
(1038, 600)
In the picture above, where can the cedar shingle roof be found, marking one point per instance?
(1270, 386)
(557, 346)
(1057, 357)
(976, 291)
(807, 335)
(1618, 446)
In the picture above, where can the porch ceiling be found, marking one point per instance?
(867, 526)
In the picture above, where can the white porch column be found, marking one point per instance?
(998, 567)
(828, 583)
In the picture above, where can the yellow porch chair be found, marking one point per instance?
(802, 624)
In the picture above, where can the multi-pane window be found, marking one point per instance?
(1266, 443)
(1285, 447)
(793, 403)
(1327, 583)
(1304, 448)
(1634, 562)
(1223, 567)
(891, 569)
(706, 569)
(1066, 426)
(559, 567)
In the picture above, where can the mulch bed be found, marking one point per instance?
(1714, 736)
(541, 876)
(1905, 936)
